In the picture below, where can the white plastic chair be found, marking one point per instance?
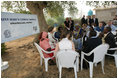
(68, 59)
(42, 56)
(99, 54)
(113, 55)
(114, 32)
(4, 65)
(97, 33)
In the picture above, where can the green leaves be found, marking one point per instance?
(56, 8)
(101, 3)
(15, 6)
(52, 8)
(50, 22)
(3, 48)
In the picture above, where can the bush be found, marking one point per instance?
(60, 20)
(50, 22)
(3, 48)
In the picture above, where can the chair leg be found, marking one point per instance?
(82, 56)
(102, 63)
(75, 71)
(77, 64)
(57, 63)
(46, 65)
(60, 69)
(115, 60)
(91, 69)
(40, 61)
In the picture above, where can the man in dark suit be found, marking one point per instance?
(90, 44)
(89, 20)
(94, 20)
(83, 20)
(109, 38)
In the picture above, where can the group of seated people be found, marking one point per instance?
(83, 38)
(82, 33)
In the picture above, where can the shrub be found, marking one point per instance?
(50, 22)
(3, 48)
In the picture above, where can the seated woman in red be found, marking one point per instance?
(44, 44)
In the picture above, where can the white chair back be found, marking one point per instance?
(114, 32)
(39, 49)
(99, 52)
(67, 58)
(97, 33)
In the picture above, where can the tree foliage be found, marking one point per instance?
(102, 3)
(52, 8)
(15, 6)
(60, 20)
(50, 22)
(56, 8)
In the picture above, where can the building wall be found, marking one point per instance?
(105, 14)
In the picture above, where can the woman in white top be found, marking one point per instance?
(65, 43)
(52, 40)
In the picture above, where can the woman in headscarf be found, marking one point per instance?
(77, 34)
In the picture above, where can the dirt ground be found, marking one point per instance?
(24, 62)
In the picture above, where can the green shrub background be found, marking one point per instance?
(3, 48)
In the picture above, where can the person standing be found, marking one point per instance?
(83, 20)
(71, 24)
(94, 20)
(66, 23)
(88, 20)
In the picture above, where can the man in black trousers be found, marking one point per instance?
(83, 20)
(89, 21)
(71, 24)
(94, 20)
(89, 45)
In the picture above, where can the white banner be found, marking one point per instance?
(14, 26)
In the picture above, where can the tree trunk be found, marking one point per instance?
(36, 8)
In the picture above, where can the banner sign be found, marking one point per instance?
(15, 26)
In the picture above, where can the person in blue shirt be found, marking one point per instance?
(100, 28)
(55, 24)
(58, 33)
(109, 24)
